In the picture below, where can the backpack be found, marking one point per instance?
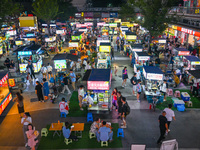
(132, 79)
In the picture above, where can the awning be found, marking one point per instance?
(153, 70)
(3, 73)
(105, 44)
(87, 75)
(99, 75)
(195, 73)
(142, 54)
(62, 56)
(72, 57)
(192, 58)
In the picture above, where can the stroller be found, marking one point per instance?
(54, 94)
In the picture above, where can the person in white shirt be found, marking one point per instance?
(44, 71)
(64, 106)
(88, 66)
(26, 119)
(80, 96)
(49, 70)
(164, 88)
(169, 115)
(138, 74)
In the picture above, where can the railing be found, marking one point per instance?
(185, 10)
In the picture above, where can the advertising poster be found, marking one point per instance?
(60, 64)
(11, 82)
(104, 49)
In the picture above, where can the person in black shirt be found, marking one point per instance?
(30, 65)
(38, 91)
(119, 103)
(163, 126)
(66, 82)
(125, 111)
(7, 63)
(134, 82)
(12, 64)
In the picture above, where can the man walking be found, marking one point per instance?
(163, 126)
(49, 70)
(134, 82)
(125, 111)
(66, 82)
(73, 78)
(169, 115)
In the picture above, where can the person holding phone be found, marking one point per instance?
(67, 132)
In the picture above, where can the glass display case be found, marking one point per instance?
(4, 91)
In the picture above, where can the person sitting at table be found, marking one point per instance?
(63, 106)
(95, 126)
(67, 132)
(104, 133)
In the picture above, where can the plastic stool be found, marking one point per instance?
(89, 117)
(170, 92)
(63, 114)
(120, 132)
(67, 141)
(177, 94)
(44, 132)
(104, 143)
(92, 135)
(181, 108)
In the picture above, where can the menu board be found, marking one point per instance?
(73, 44)
(131, 37)
(60, 64)
(104, 49)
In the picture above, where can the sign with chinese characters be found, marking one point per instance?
(3, 79)
(152, 76)
(25, 53)
(145, 58)
(11, 82)
(73, 44)
(195, 63)
(81, 25)
(131, 37)
(98, 85)
(104, 49)
(162, 41)
(18, 42)
(6, 101)
(183, 53)
(137, 49)
(60, 64)
(50, 39)
(100, 24)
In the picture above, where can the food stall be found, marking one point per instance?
(77, 36)
(29, 53)
(141, 57)
(161, 42)
(179, 53)
(98, 89)
(104, 50)
(190, 62)
(19, 42)
(153, 78)
(5, 95)
(51, 42)
(136, 47)
(59, 61)
(83, 29)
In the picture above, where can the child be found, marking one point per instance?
(115, 70)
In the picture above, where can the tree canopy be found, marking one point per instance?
(127, 12)
(46, 10)
(66, 9)
(155, 14)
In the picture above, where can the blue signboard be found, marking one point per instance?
(24, 53)
(113, 15)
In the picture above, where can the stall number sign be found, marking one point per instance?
(152, 76)
(3, 79)
(5, 103)
(98, 85)
(183, 53)
(73, 44)
(195, 63)
(11, 82)
(104, 49)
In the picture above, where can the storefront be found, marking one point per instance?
(59, 61)
(104, 53)
(98, 89)
(26, 54)
(5, 95)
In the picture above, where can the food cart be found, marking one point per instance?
(190, 62)
(29, 53)
(59, 61)
(5, 95)
(179, 53)
(98, 89)
(77, 36)
(104, 51)
(153, 78)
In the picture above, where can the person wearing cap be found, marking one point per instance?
(164, 88)
(163, 126)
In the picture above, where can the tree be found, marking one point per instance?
(46, 10)
(66, 9)
(155, 13)
(9, 12)
(127, 12)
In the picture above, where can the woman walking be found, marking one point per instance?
(20, 104)
(38, 91)
(32, 138)
(114, 100)
(45, 88)
(26, 119)
(124, 76)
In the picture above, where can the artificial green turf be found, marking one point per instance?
(195, 101)
(56, 142)
(74, 110)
